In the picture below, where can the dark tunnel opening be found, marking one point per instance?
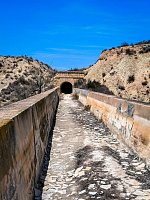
(66, 88)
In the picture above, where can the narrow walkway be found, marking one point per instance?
(87, 162)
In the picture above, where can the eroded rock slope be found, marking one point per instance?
(125, 71)
(21, 77)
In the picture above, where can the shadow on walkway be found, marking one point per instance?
(38, 189)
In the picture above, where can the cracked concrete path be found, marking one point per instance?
(87, 162)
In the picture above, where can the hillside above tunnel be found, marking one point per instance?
(125, 71)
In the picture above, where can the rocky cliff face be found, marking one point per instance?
(125, 71)
(21, 77)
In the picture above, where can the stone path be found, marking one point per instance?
(87, 162)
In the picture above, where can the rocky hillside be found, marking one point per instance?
(125, 71)
(21, 77)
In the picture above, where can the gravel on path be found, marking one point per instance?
(88, 162)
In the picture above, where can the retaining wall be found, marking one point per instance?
(24, 131)
(129, 120)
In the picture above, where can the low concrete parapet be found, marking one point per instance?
(24, 130)
(128, 119)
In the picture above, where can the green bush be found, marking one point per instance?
(131, 79)
(93, 85)
(145, 50)
(130, 52)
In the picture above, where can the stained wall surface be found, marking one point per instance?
(129, 120)
(24, 130)
(71, 77)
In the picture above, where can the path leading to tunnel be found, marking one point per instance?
(87, 162)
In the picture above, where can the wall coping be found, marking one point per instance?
(10, 111)
(140, 108)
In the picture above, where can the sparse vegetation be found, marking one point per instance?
(145, 50)
(7, 75)
(144, 83)
(103, 74)
(112, 73)
(130, 52)
(75, 96)
(87, 108)
(131, 79)
(76, 69)
(124, 44)
(121, 87)
(143, 42)
(93, 85)
(104, 50)
(23, 77)
(20, 70)
(73, 69)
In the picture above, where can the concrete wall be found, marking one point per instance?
(24, 131)
(129, 120)
(58, 82)
(71, 77)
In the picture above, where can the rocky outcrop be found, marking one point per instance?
(125, 71)
(21, 77)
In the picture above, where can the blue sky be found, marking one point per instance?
(70, 33)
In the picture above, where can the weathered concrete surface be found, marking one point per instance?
(87, 162)
(66, 76)
(24, 131)
(129, 120)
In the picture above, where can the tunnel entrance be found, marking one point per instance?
(66, 88)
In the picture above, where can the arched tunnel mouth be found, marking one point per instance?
(66, 88)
